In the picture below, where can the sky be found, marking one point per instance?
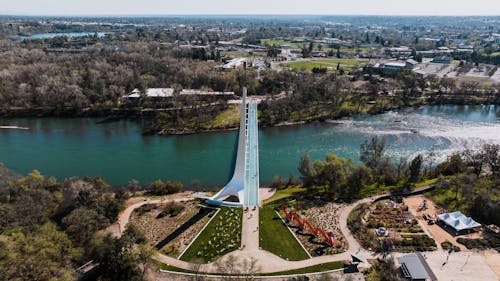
(240, 7)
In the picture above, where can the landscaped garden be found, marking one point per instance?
(404, 232)
(170, 226)
(221, 236)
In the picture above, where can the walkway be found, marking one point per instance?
(252, 158)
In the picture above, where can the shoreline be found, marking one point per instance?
(114, 115)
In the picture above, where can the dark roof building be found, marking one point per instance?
(415, 268)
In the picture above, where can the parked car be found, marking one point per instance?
(382, 232)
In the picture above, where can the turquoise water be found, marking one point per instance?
(67, 34)
(118, 152)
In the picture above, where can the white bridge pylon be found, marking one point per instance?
(244, 183)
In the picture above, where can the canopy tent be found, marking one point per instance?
(458, 221)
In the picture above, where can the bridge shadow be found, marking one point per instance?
(194, 219)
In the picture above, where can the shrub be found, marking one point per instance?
(447, 245)
(171, 210)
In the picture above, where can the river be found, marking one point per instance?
(60, 34)
(118, 152)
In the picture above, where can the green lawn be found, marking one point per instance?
(331, 64)
(227, 118)
(284, 193)
(314, 268)
(221, 236)
(276, 238)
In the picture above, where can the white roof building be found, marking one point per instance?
(203, 93)
(234, 63)
(159, 92)
(135, 94)
(458, 221)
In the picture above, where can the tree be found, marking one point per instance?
(41, 253)
(454, 164)
(372, 152)
(491, 154)
(306, 169)
(474, 158)
(122, 258)
(333, 172)
(415, 168)
(361, 176)
(81, 225)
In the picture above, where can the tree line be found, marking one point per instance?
(49, 228)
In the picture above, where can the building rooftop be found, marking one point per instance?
(458, 221)
(201, 92)
(159, 92)
(414, 266)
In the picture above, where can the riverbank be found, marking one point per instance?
(165, 121)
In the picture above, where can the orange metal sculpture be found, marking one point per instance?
(328, 237)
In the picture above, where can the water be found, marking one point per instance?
(118, 152)
(67, 34)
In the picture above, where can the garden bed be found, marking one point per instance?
(178, 223)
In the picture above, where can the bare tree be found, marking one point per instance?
(250, 268)
(227, 267)
(196, 268)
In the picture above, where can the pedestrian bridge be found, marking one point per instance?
(243, 188)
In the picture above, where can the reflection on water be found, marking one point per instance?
(117, 151)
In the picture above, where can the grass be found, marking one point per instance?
(331, 64)
(310, 269)
(375, 189)
(221, 236)
(276, 238)
(227, 118)
(284, 193)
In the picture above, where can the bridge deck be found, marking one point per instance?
(252, 158)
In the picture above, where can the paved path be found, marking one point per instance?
(266, 261)
(136, 202)
(250, 230)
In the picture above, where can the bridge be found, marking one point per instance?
(244, 184)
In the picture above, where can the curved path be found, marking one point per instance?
(266, 261)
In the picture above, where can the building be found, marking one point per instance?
(192, 92)
(152, 93)
(442, 59)
(393, 66)
(411, 64)
(135, 94)
(236, 63)
(458, 221)
(401, 51)
(415, 268)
